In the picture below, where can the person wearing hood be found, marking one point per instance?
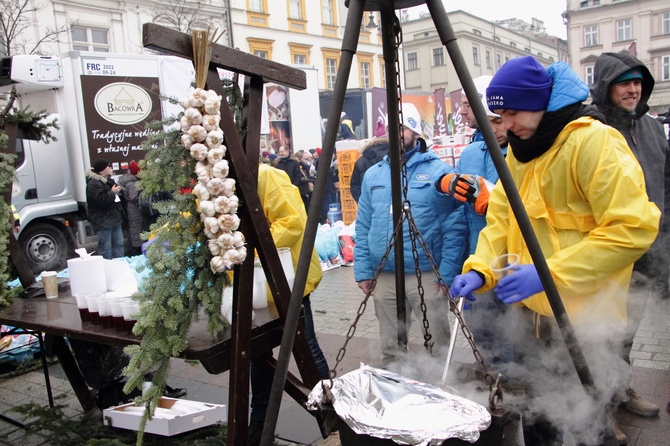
(621, 88)
(346, 127)
(371, 153)
(584, 195)
(104, 213)
(374, 233)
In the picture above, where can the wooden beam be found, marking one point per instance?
(170, 41)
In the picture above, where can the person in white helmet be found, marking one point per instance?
(374, 231)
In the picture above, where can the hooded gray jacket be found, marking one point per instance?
(646, 138)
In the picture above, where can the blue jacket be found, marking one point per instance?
(374, 221)
(475, 160)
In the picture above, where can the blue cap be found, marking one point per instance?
(633, 73)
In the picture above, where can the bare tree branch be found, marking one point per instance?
(15, 19)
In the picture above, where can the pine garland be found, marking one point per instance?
(181, 282)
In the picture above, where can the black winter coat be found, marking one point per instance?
(103, 210)
(132, 195)
(372, 153)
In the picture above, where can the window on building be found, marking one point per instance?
(331, 73)
(584, 4)
(412, 61)
(299, 59)
(512, 44)
(665, 68)
(261, 53)
(526, 49)
(665, 22)
(89, 39)
(256, 6)
(383, 75)
(488, 59)
(624, 30)
(295, 9)
(475, 55)
(327, 12)
(438, 57)
(591, 35)
(596, 2)
(366, 81)
(539, 55)
(498, 61)
(588, 75)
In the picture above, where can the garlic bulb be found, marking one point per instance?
(200, 191)
(199, 151)
(211, 122)
(215, 155)
(228, 188)
(213, 139)
(214, 186)
(207, 208)
(221, 169)
(228, 222)
(198, 133)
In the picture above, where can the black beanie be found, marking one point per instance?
(99, 165)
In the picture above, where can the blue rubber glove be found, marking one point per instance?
(519, 285)
(465, 284)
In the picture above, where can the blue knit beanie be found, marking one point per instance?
(520, 84)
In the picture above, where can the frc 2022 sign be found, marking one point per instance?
(123, 103)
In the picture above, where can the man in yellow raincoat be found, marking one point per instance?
(584, 194)
(285, 212)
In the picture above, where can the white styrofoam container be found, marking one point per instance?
(118, 417)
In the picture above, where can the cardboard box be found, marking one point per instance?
(123, 418)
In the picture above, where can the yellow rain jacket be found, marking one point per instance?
(587, 204)
(285, 212)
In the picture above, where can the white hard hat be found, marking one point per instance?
(481, 84)
(411, 117)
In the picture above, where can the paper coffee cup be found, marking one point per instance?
(50, 283)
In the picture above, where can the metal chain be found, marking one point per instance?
(415, 236)
(363, 305)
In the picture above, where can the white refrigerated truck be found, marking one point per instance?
(102, 102)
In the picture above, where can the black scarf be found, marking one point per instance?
(550, 126)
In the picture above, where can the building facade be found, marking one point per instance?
(485, 47)
(110, 26)
(302, 32)
(640, 26)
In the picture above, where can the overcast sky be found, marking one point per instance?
(548, 11)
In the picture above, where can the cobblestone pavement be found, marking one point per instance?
(335, 304)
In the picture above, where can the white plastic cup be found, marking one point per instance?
(130, 312)
(287, 265)
(105, 312)
(50, 283)
(82, 306)
(504, 265)
(260, 296)
(92, 304)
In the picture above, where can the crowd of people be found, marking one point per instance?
(594, 182)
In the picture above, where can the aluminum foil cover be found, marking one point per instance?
(386, 405)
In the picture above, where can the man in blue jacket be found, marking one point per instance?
(374, 231)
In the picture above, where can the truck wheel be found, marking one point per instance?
(45, 247)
